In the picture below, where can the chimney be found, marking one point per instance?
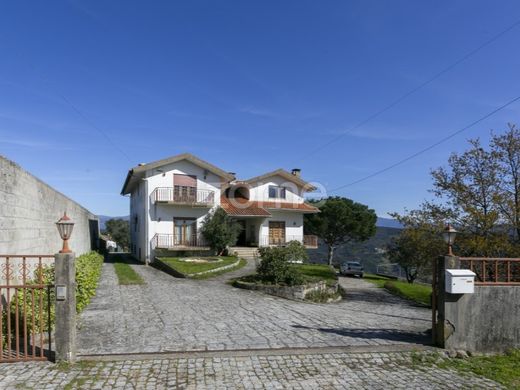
(296, 172)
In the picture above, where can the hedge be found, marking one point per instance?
(88, 271)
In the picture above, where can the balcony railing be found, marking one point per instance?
(183, 195)
(308, 241)
(172, 241)
(493, 271)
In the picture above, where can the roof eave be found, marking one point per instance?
(127, 180)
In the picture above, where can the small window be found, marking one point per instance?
(277, 192)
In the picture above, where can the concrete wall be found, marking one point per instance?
(29, 209)
(293, 225)
(486, 321)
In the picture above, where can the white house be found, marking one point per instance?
(170, 198)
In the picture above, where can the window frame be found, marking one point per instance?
(278, 192)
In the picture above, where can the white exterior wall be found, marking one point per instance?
(138, 231)
(158, 218)
(293, 225)
(260, 191)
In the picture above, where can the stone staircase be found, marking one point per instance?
(246, 252)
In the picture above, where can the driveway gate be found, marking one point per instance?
(25, 307)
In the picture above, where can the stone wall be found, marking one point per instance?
(29, 209)
(486, 321)
(289, 292)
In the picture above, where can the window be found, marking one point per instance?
(277, 192)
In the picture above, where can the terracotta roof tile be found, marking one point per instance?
(244, 207)
(250, 209)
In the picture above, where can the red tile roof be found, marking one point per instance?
(241, 207)
(244, 207)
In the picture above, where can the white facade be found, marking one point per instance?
(164, 214)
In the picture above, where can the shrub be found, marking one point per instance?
(88, 271)
(275, 268)
(295, 252)
(220, 231)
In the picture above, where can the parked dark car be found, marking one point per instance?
(351, 268)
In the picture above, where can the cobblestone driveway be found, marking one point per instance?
(315, 371)
(169, 314)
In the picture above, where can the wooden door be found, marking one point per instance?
(276, 232)
(185, 231)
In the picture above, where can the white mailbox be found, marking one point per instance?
(460, 281)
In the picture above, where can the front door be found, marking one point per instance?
(276, 233)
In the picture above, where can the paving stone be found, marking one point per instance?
(169, 314)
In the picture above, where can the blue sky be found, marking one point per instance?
(89, 89)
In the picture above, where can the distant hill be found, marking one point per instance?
(104, 218)
(369, 253)
(388, 222)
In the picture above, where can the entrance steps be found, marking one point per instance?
(248, 252)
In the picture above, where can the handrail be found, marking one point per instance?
(307, 240)
(160, 240)
(493, 271)
(183, 195)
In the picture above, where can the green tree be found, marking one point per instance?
(341, 221)
(119, 231)
(220, 230)
(506, 149)
(479, 192)
(418, 245)
(469, 188)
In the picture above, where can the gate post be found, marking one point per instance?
(65, 332)
(441, 329)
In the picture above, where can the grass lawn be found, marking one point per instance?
(317, 272)
(416, 292)
(126, 274)
(504, 369)
(188, 268)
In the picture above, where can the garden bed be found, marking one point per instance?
(193, 267)
(320, 285)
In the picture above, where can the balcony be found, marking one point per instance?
(172, 241)
(181, 195)
(309, 241)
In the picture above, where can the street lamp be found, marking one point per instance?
(65, 226)
(449, 237)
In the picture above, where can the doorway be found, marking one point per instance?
(276, 232)
(241, 241)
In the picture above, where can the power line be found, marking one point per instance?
(415, 89)
(429, 147)
(78, 111)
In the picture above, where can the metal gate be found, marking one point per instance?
(26, 307)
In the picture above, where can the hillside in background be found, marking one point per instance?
(369, 253)
(388, 222)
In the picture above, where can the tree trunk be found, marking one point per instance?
(331, 254)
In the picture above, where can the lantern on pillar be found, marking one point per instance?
(65, 226)
(449, 234)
